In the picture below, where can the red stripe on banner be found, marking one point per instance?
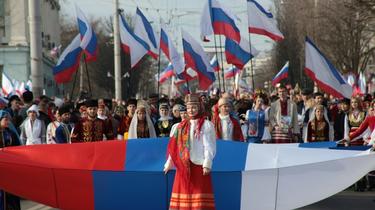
(34, 183)
(328, 89)
(164, 48)
(66, 75)
(226, 30)
(75, 189)
(204, 82)
(91, 57)
(190, 62)
(125, 48)
(39, 172)
(232, 59)
(265, 33)
(279, 78)
(152, 54)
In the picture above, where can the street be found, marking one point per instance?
(348, 200)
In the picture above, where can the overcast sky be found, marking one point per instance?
(177, 13)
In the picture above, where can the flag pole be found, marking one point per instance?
(74, 84)
(87, 74)
(159, 75)
(234, 76)
(217, 58)
(251, 61)
(222, 62)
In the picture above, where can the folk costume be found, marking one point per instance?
(318, 129)
(283, 114)
(33, 132)
(353, 120)
(256, 126)
(141, 128)
(164, 124)
(226, 126)
(8, 137)
(192, 147)
(91, 130)
(64, 130)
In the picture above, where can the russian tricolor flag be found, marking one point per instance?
(166, 74)
(219, 20)
(166, 45)
(131, 43)
(262, 22)
(321, 70)
(231, 72)
(7, 85)
(196, 58)
(88, 37)
(215, 64)
(239, 54)
(143, 30)
(283, 74)
(68, 62)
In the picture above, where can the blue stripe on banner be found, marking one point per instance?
(199, 63)
(82, 27)
(130, 190)
(236, 50)
(156, 150)
(218, 15)
(325, 144)
(227, 189)
(129, 30)
(91, 47)
(148, 27)
(230, 156)
(360, 148)
(268, 14)
(333, 70)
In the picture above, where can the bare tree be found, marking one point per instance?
(343, 30)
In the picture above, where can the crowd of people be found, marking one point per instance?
(284, 116)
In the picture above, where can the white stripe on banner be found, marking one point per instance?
(291, 182)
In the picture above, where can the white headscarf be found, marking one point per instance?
(33, 108)
(134, 124)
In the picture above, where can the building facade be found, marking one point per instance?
(15, 41)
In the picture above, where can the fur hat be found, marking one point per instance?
(91, 103)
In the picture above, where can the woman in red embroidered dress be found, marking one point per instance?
(192, 148)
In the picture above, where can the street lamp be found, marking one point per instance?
(126, 75)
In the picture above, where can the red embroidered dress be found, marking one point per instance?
(192, 189)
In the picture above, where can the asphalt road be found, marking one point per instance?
(348, 200)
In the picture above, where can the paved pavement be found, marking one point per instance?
(348, 200)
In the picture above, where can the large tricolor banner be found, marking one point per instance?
(122, 174)
(144, 30)
(262, 22)
(197, 59)
(321, 70)
(68, 62)
(131, 43)
(88, 38)
(217, 19)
